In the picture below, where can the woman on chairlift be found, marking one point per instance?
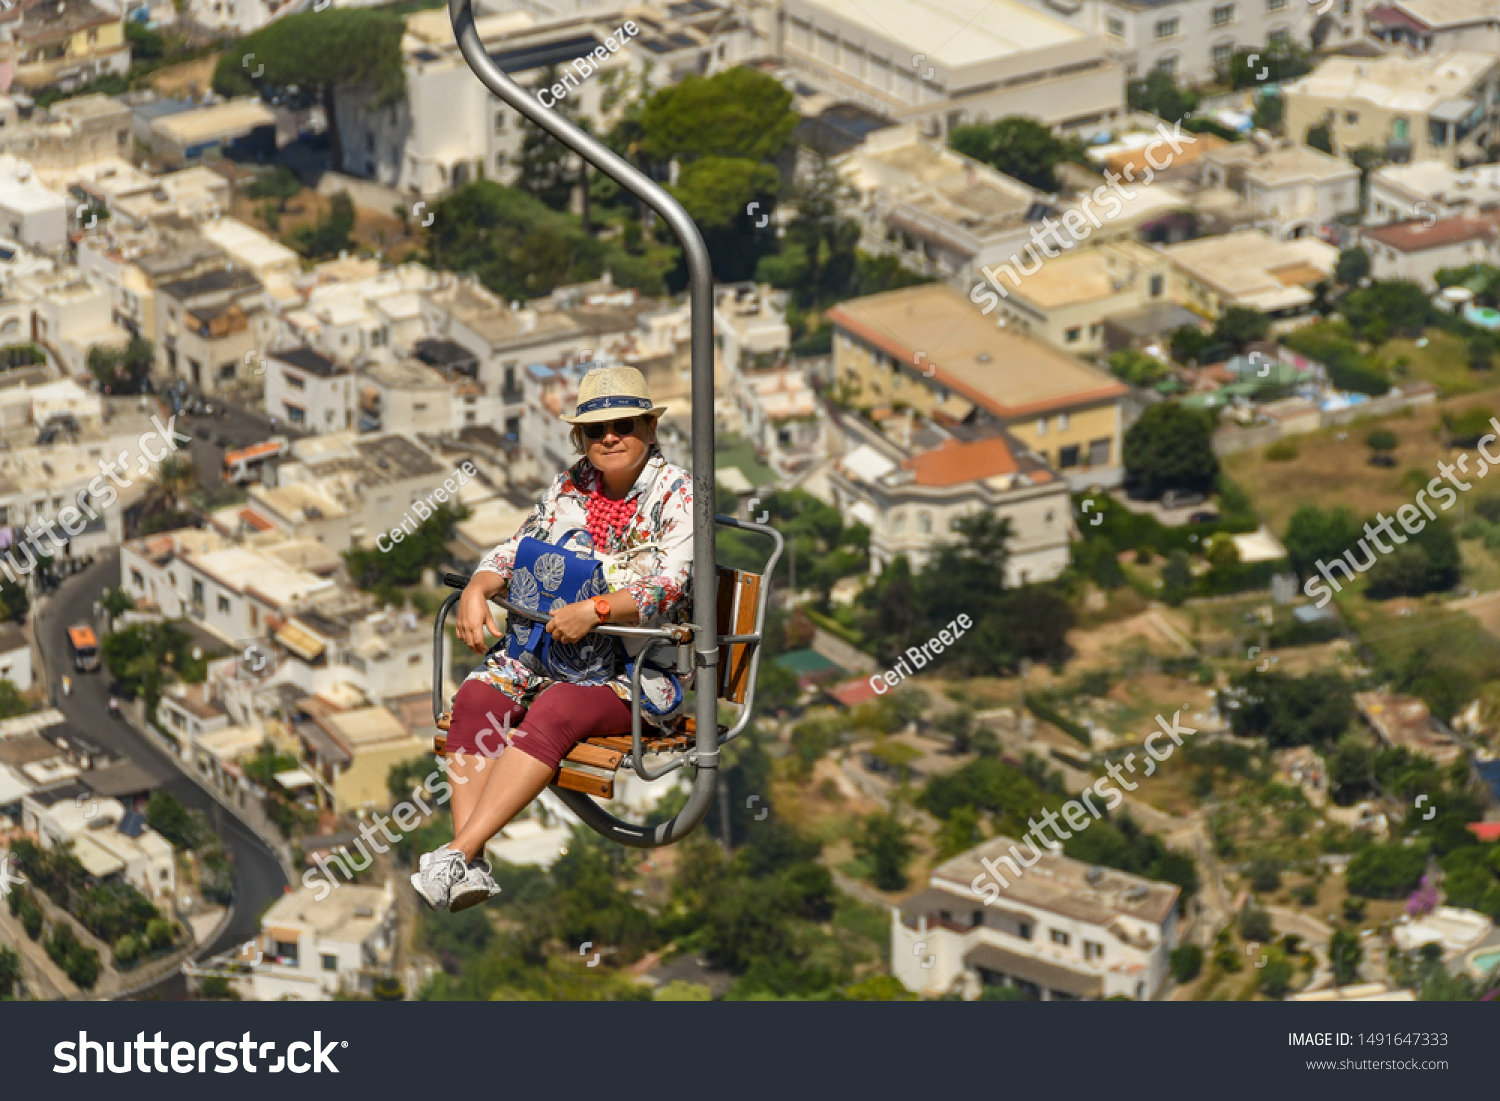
(611, 542)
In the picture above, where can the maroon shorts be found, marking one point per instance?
(486, 720)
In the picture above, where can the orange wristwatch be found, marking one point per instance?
(601, 609)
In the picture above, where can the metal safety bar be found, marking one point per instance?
(700, 302)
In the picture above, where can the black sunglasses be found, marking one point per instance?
(622, 427)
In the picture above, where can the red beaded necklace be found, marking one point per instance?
(604, 516)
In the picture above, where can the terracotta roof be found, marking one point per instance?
(1485, 831)
(1418, 236)
(255, 520)
(1395, 17)
(956, 462)
(854, 693)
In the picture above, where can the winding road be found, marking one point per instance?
(258, 875)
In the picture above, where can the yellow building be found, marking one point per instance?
(65, 43)
(1433, 107)
(931, 349)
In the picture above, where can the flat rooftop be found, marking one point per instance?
(1084, 275)
(1061, 884)
(1396, 82)
(350, 914)
(954, 35)
(1009, 374)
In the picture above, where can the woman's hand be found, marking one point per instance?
(571, 623)
(474, 615)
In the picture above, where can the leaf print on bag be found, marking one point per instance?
(549, 571)
(523, 589)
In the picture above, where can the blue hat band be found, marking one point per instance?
(595, 404)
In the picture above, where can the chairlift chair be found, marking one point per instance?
(722, 643)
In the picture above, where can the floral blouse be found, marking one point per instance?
(651, 558)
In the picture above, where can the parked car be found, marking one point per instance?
(1207, 516)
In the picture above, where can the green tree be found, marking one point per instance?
(1382, 441)
(1159, 94)
(886, 842)
(740, 113)
(1176, 577)
(1190, 344)
(818, 262)
(1022, 148)
(1350, 767)
(1318, 137)
(879, 988)
(1385, 871)
(717, 191)
(122, 370)
(279, 184)
(1170, 447)
(1185, 962)
(1255, 925)
(543, 162)
(1276, 975)
(1386, 309)
(1264, 874)
(167, 816)
(1353, 265)
(1313, 535)
(1345, 953)
(1137, 368)
(329, 235)
(340, 52)
(10, 971)
(1288, 710)
(1240, 327)
(520, 249)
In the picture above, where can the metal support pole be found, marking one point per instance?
(700, 301)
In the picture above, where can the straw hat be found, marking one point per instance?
(607, 393)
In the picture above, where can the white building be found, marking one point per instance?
(449, 129)
(910, 498)
(1429, 107)
(408, 398)
(238, 17)
(359, 487)
(66, 314)
(31, 212)
(15, 656)
(212, 330)
(940, 212)
(1292, 190)
(229, 589)
(1415, 251)
(309, 390)
(1056, 927)
(107, 840)
(924, 61)
(190, 712)
(312, 948)
(1430, 190)
(1195, 42)
(750, 326)
(1435, 26)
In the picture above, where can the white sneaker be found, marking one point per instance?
(478, 885)
(444, 870)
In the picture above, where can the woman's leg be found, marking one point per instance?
(483, 717)
(562, 716)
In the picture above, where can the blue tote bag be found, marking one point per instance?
(546, 578)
